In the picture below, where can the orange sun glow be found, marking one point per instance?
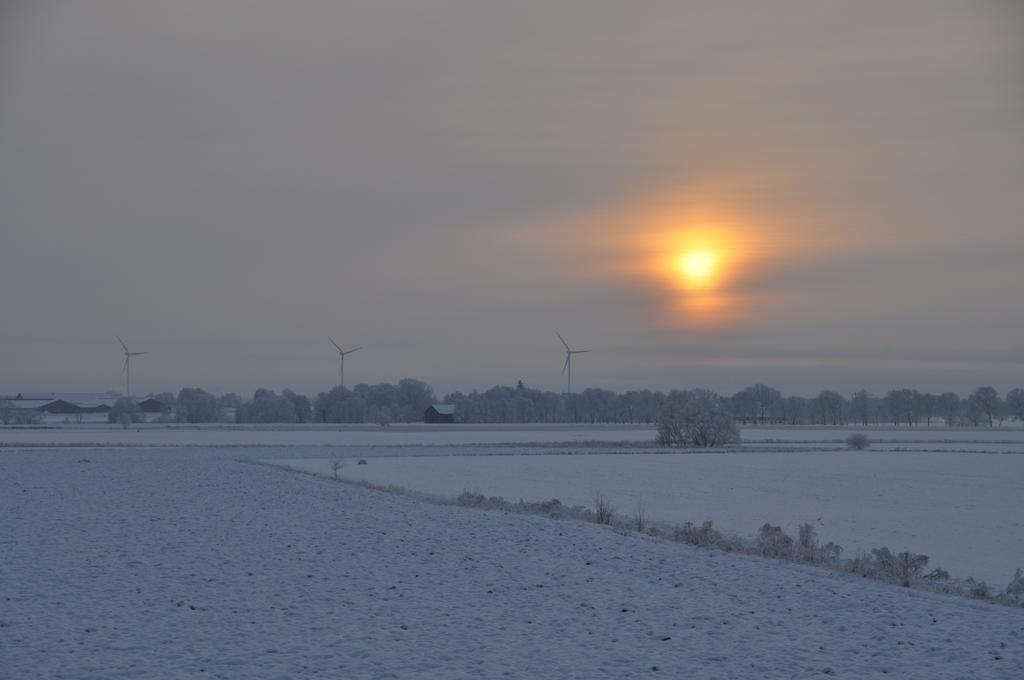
(698, 266)
(693, 257)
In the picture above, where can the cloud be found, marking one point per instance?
(450, 180)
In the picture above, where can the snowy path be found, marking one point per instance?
(184, 563)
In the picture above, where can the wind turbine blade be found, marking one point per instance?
(566, 364)
(353, 350)
(135, 354)
(335, 344)
(563, 340)
(124, 366)
(122, 342)
(581, 351)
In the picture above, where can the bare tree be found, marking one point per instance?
(984, 401)
(924, 406)
(831, 406)
(860, 406)
(900, 404)
(1015, 403)
(949, 406)
(603, 510)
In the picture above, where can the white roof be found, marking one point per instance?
(70, 396)
(24, 403)
(83, 399)
(445, 409)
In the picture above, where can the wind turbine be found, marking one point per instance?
(127, 368)
(342, 353)
(567, 367)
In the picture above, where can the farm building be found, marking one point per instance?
(439, 413)
(59, 407)
(152, 408)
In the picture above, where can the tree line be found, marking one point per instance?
(405, 401)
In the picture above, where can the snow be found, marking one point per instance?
(570, 437)
(317, 435)
(963, 510)
(182, 562)
(887, 433)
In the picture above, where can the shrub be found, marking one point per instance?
(1016, 588)
(772, 541)
(979, 590)
(703, 535)
(696, 418)
(552, 507)
(807, 542)
(902, 568)
(858, 442)
(603, 510)
(910, 566)
(809, 550)
(471, 498)
(641, 518)
(883, 562)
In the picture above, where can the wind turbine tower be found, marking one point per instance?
(127, 368)
(342, 354)
(567, 367)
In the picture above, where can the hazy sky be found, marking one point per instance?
(226, 183)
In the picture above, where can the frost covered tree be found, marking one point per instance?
(924, 406)
(340, 405)
(167, 399)
(755, 404)
(900, 405)
(830, 405)
(124, 411)
(795, 410)
(696, 418)
(983, 405)
(860, 406)
(1016, 587)
(414, 396)
(1015, 404)
(743, 406)
(949, 407)
(268, 407)
(197, 406)
(300, 406)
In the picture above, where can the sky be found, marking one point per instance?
(814, 195)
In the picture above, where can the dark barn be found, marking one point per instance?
(439, 413)
(152, 405)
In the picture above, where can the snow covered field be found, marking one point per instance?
(154, 553)
(318, 435)
(963, 510)
(998, 439)
(158, 563)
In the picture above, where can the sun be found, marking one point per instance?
(698, 266)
